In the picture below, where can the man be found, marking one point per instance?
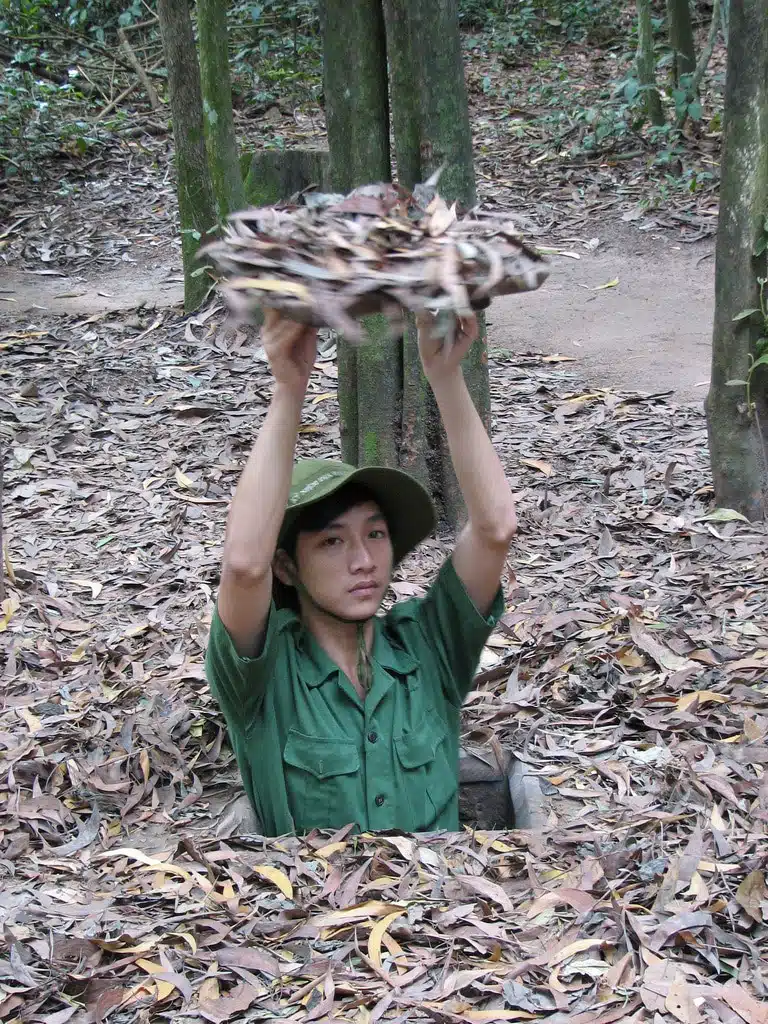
(335, 714)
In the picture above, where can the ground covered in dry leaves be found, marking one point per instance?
(629, 675)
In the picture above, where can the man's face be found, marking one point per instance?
(346, 568)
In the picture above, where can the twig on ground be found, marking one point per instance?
(154, 101)
(120, 97)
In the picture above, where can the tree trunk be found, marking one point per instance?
(646, 63)
(388, 413)
(273, 174)
(415, 413)
(404, 88)
(681, 41)
(432, 123)
(357, 114)
(220, 141)
(355, 84)
(197, 212)
(738, 437)
(379, 395)
(445, 135)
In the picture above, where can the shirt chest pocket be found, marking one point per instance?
(429, 781)
(323, 780)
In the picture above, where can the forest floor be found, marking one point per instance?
(628, 674)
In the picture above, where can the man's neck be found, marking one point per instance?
(339, 640)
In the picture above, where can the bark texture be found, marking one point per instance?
(270, 175)
(197, 211)
(388, 413)
(738, 438)
(356, 100)
(681, 37)
(220, 140)
(646, 63)
(431, 129)
(357, 114)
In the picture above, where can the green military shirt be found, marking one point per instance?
(312, 754)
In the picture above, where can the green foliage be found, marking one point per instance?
(25, 18)
(277, 50)
(526, 24)
(36, 120)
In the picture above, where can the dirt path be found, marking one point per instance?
(124, 287)
(649, 332)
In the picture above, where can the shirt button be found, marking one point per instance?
(372, 737)
(379, 800)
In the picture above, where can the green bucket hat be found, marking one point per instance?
(406, 505)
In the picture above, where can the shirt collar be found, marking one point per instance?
(317, 667)
(388, 656)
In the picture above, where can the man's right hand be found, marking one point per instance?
(291, 349)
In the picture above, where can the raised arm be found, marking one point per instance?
(482, 546)
(259, 503)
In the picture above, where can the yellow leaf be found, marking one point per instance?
(608, 284)
(396, 951)
(576, 947)
(149, 967)
(208, 991)
(709, 867)
(491, 1015)
(170, 869)
(164, 988)
(9, 606)
(377, 934)
(79, 652)
(144, 762)
(543, 467)
(630, 658)
(702, 696)
(189, 939)
(350, 915)
(330, 849)
(150, 863)
(269, 284)
(718, 820)
(500, 847)
(184, 481)
(34, 723)
(8, 564)
(321, 398)
(116, 946)
(277, 877)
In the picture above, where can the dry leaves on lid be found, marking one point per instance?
(332, 259)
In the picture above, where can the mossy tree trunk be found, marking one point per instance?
(216, 81)
(431, 129)
(680, 31)
(197, 211)
(357, 115)
(738, 436)
(646, 63)
(388, 414)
